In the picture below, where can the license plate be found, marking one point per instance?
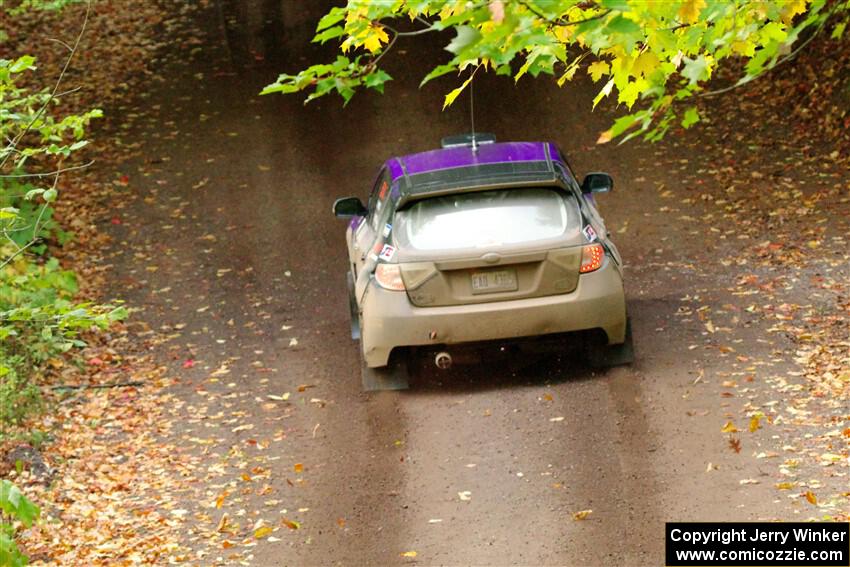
(494, 281)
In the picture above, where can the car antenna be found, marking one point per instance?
(472, 110)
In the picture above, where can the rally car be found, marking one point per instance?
(479, 242)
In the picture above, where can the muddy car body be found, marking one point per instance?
(470, 243)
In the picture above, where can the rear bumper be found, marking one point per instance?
(389, 320)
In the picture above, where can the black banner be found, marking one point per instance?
(758, 544)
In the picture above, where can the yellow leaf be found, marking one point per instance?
(606, 90)
(298, 467)
(262, 532)
(581, 515)
(375, 37)
(220, 500)
(729, 428)
(291, 524)
(629, 94)
(597, 69)
(645, 64)
(689, 11)
(569, 73)
(621, 68)
(810, 496)
(785, 485)
(792, 8)
(450, 9)
(563, 33)
(408, 554)
(754, 424)
(746, 48)
(605, 137)
(353, 15)
(450, 98)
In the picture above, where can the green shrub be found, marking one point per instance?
(15, 507)
(32, 220)
(19, 396)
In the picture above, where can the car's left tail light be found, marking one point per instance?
(388, 276)
(592, 257)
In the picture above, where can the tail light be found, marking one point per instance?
(592, 257)
(388, 276)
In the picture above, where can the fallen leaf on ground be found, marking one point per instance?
(262, 532)
(735, 444)
(222, 523)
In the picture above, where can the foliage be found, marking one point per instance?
(19, 396)
(26, 218)
(661, 53)
(24, 113)
(38, 317)
(16, 506)
(16, 7)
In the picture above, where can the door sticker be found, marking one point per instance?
(387, 229)
(589, 233)
(387, 253)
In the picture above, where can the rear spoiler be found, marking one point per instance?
(468, 140)
(481, 184)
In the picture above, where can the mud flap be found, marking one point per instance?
(603, 356)
(354, 312)
(393, 376)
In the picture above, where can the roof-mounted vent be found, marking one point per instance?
(466, 140)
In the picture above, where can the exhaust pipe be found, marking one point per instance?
(443, 360)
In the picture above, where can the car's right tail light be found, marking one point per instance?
(388, 276)
(592, 257)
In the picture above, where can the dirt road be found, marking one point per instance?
(232, 250)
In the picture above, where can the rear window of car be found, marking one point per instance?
(486, 218)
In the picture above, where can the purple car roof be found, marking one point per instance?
(463, 156)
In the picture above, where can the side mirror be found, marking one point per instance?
(597, 183)
(348, 207)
